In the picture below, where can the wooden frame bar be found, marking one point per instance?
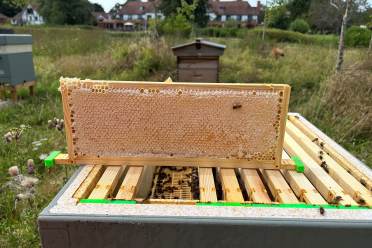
(206, 185)
(230, 186)
(107, 182)
(256, 190)
(279, 187)
(350, 184)
(345, 163)
(130, 185)
(322, 181)
(302, 186)
(286, 164)
(68, 85)
(90, 182)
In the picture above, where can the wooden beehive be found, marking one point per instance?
(158, 197)
(198, 61)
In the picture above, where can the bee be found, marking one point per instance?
(321, 210)
(237, 106)
(314, 140)
(362, 202)
(324, 166)
(363, 182)
(336, 200)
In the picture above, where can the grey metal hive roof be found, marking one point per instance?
(15, 39)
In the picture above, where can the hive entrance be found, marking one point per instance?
(202, 124)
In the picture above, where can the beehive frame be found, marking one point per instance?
(179, 107)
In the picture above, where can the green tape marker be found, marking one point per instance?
(49, 161)
(300, 167)
(106, 201)
(298, 206)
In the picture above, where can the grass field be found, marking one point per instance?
(339, 105)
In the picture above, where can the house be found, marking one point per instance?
(28, 16)
(3, 18)
(140, 11)
(240, 11)
(136, 14)
(103, 20)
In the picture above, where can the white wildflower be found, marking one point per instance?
(13, 171)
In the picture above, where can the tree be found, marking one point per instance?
(278, 16)
(341, 43)
(199, 13)
(369, 24)
(298, 8)
(11, 7)
(69, 12)
(323, 17)
(97, 7)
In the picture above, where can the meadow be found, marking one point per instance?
(340, 104)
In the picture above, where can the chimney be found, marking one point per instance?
(259, 6)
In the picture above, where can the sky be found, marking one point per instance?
(108, 4)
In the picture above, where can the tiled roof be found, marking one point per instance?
(2, 16)
(33, 6)
(238, 7)
(231, 8)
(103, 14)
(137, 8)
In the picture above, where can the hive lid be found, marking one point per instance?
(200, 48)
(133, 123)
(15, 39)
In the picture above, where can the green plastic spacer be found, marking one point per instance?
(107, 201)
(49, 161)
(300, 167)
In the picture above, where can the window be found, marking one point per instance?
(141, 8)
(238, 18)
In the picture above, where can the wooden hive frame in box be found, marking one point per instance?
(147, 165)
(335, 187)
(183, 124)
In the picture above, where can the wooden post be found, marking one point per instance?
(341, 44)
(13, 91)
(2, 92)
(31, 88)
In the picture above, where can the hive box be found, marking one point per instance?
(16, 65)
(299, 211)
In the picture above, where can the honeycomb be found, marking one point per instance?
(175, 183)
(127, 119)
